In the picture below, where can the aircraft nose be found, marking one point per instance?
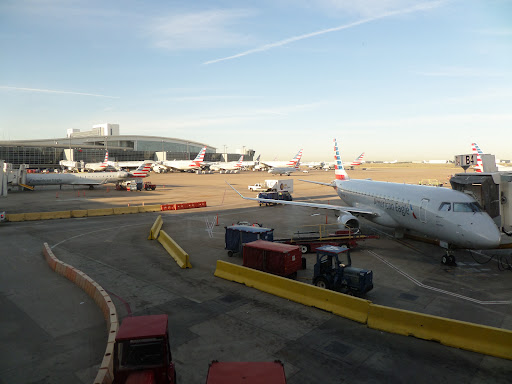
(487, 236)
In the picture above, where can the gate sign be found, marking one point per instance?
(465, 161)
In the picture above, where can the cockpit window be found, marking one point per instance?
(466, 207)
(445, 206)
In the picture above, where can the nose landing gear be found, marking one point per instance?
(449, 258)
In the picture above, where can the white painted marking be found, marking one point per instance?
(420, 284)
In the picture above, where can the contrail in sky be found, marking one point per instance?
(416, 8)
(54, 91)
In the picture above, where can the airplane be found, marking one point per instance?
(98, 166)
(291, 166)
(357, 161)
(251, 164)
(452, 217)
(82, 178)
(186, 165)
(228, 167)
(479, 167)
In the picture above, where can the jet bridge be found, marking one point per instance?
(493, 191)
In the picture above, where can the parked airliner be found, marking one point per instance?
(84, 178)
(187, 165)
(291, 166)
(452, 217)
(228, 166)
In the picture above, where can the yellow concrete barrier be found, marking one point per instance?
(15, 217)
(343, 305)
(79, 213)
(125, 210)
(55, 215)
(100, 212)
(155, 228)
(29, 216)
(149, 208)
(460, 334)
(100, 296)
(174, 250)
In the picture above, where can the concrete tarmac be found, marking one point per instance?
(52, 332)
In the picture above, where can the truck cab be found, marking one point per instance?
(333, 270)
(142, 353)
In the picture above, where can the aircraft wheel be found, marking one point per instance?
(445, 260)
(304, 249)
(451, 260)
(230, 253)
(321, 282)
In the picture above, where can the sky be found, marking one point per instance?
(397, 79)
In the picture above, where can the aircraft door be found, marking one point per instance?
(423, 210)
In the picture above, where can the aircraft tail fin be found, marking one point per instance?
(239, 164)
(142, 171)
(296, 160)
(200, 156)
(105, 162)
(339, 170)
(479, 164)
(358, 161)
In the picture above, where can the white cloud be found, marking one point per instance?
(54, 91)
(206, 29)
(415, 8)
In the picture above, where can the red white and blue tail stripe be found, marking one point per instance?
(200, 157)
(479, 164)
(105, 162)
(358, 161)
(142, 171)
(296, 160)
(239, 164)
(339, 170)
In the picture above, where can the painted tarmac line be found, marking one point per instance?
(420, 284)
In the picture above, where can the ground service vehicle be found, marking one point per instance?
(333, 270)
(276, 258)
(149, 185)
(274, 185)
(275, 196)
(264, 372)
(142, 353)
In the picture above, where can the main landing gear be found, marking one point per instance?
(449, 258)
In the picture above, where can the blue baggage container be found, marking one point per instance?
(237, 235)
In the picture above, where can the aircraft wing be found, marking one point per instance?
(311, 205)
(318, 182)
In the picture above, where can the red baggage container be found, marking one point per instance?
(276, 258)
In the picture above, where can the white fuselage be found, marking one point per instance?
(283, 170)
(182, 165)
(82, 178)
(418, 208)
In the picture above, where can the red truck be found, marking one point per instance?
(276, 258)
(264, 372)
(142, 353)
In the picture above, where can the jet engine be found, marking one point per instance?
(347, 220)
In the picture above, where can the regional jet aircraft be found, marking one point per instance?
(85, 178)
(228, 167)
(452, 217)
(291, 166)
(187, 165)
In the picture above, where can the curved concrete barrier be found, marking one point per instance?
(176, 252)
(125, 210)
(343, 305)
(100, 212)
(102, 299)
(460, 334)
(149, 208)
(155, 228)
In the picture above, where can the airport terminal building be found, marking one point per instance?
(90, 147)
